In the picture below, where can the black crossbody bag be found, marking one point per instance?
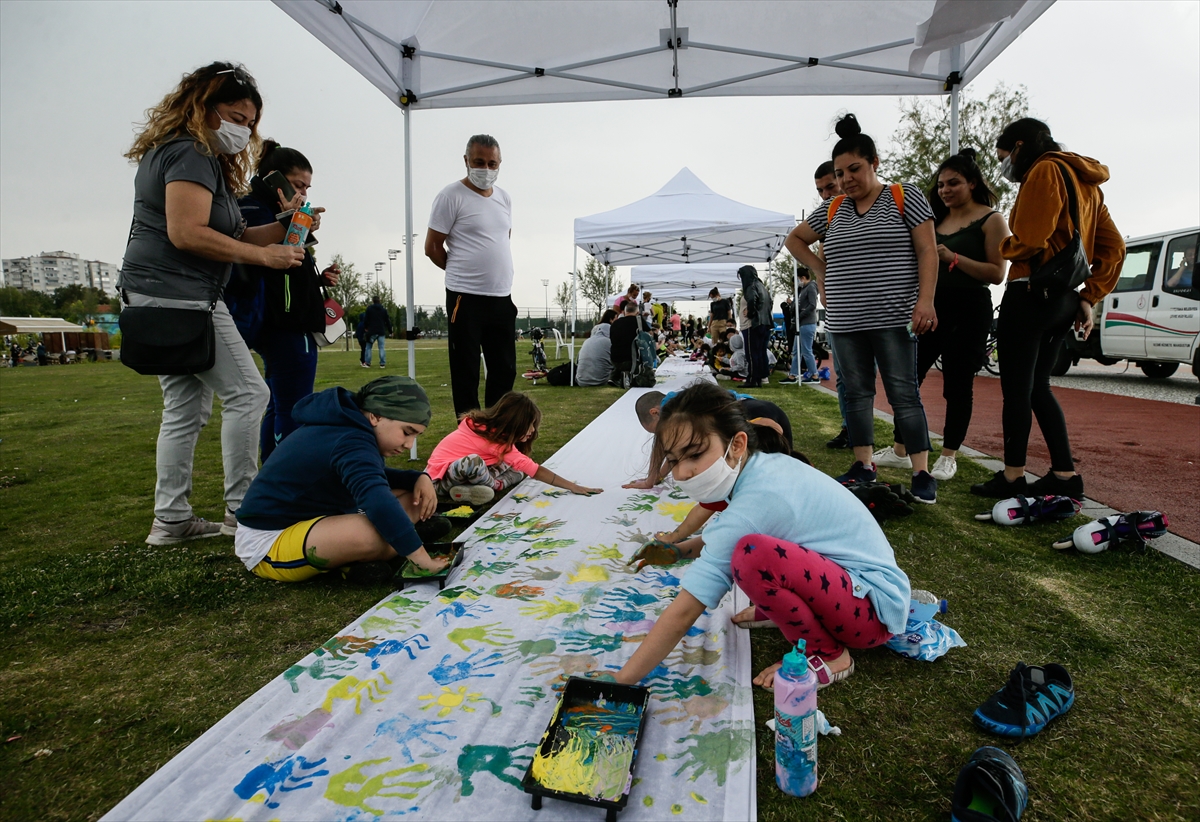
(1069, 268)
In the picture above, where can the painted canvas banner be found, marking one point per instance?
(430, 705)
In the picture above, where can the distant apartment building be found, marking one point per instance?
(57, 269)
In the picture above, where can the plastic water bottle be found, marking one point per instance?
(302, 221)
(796, 724)
(924, 606)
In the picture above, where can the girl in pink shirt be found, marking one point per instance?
(489, 453)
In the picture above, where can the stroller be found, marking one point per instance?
(540, 366)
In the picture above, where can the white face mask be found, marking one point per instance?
(714, 483)
(482, 178)
(231, 137)
(1006, 170)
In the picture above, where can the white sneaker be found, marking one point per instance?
(169, 533)
(474, 495)
(945, 468)
(229, 528)
(888, 458)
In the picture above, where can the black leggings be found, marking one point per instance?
(1028, 338)
(960, 339)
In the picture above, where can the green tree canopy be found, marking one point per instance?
(922, 140)
(596, 282)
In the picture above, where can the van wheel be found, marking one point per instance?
(1062, 363)
(1158, 370)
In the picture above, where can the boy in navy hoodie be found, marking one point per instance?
(326, 498)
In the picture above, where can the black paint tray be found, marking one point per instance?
(411, 574)
(580, 691)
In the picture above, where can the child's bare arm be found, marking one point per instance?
(550, 478)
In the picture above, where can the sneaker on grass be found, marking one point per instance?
(1033, 696)
(1052, 485)
(229, 527)
(842, 440)
(858, 473)
(474, 495)
(169, 533)
(990, 788)
(945, 468)
(999, 488)
(432, 529)
(789, 380)
(924, 487)
(888, 458)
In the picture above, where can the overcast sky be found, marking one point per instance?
(1118, 81)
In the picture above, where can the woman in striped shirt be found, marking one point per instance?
(877, 282)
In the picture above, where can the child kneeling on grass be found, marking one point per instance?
(489, 453)
(807, 553)
(301, 515)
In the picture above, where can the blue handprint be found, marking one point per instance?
(395, 646)
(402, 730)
(288, 774)
(444, 674)
(613, 613)
(632, 597)
(660, 578)
(458, 610)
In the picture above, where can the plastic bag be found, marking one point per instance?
(925, 640)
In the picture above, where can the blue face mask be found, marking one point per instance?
(1006, 170)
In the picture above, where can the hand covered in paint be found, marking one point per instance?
(656, 552)
(586, 492)
(642, 484)
(424, 497)
(599, 676)
(422, 560)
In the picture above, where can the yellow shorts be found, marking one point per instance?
(285, 562)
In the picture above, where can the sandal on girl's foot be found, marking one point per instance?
(826, 677)
(755, 623)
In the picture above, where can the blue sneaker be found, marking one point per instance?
(990, 788)
(924, 487)
(858, 473)
(1033, 696)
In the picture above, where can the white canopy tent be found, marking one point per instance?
(683, 222)
(456, 53)
(686, 282)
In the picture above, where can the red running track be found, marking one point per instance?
(1133, 453)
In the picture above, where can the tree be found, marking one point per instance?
(562, 298)
(349, 289)
(922, 140)
(596, 282)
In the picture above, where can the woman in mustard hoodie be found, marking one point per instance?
(1033, 323)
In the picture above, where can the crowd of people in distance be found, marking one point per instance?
(903, 275)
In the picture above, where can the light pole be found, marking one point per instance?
(378, 270)
(393, 253)
(546, 287)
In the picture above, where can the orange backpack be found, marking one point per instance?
(897, 195)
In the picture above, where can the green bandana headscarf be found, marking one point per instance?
(397, 398)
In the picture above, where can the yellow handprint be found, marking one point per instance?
(550, 608)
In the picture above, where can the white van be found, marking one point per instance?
(1152, 317)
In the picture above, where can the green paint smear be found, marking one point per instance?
(648, 801)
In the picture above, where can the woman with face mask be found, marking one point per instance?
(1033, 323)
(808, 554)
(193, 156)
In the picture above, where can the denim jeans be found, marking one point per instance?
(290, 362)
(839, 385)
(808, 332)
(244, 395)
(895, 351)
(376, 339)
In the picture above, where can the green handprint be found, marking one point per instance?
(532, 553)
(656, 552)
(641, 503)
(352, 787)
(544, 544)
(533, 695)
(481, 634)
(715, 751)
(550, 608)
(541, 574)
(479, 568)
(603, 551)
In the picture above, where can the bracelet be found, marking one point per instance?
(953, 263)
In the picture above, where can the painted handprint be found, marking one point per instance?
(534, 574)
(624, 522)
(549, 608)
(494, 634)
(493, 759)
(446, 672)
(296, 733)
(715, 751)
(533, 695)
(402, 730)
(510, 591)
(639, 503)
(530, 649)
(458, 592)
(587, 642)
(353, 689)
(288, 774)
(449, 699)
(536, 554)
(566, 664)
(588, 573)
(394, 646)
(604, 551)
(353, 787)
(479, 568)
(343, 647)
(319, 668)
(458, 610)
(632, 597)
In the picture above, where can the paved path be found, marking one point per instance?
(1133, 453)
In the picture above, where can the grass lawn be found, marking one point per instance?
(119, 654)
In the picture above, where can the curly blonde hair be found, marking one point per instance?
(183, 112)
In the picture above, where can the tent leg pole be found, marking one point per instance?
(575, 315)
(410, 315)
(954, 120)
(796, 312)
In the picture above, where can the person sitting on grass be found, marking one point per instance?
(774, 437)
(807, 553)
(326, 499)
(489, 453)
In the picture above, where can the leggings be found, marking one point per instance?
(807, 595)
(960, 339)
(472, 470)
(1029, 334)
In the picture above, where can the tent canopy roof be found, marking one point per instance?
(443, 54)
(34, 325)
(668, 283)
(684, 221)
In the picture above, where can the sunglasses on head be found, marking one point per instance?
(240, 76)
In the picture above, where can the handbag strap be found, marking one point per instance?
(1072, 201)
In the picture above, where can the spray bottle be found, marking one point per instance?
(796, 724)
(302, 221)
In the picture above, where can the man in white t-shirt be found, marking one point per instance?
(470, 229)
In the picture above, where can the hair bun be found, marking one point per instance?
(848, 127)
(268, 146)
(969, 153)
